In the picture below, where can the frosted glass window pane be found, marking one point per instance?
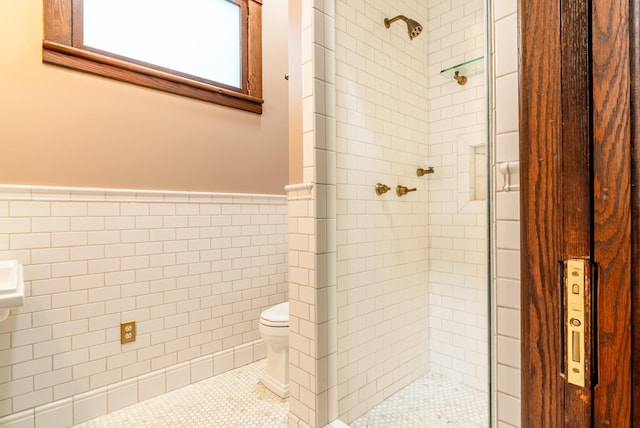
(197, 37)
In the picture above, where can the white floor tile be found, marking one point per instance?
(433, 401)
(232, 399)
(237, 399)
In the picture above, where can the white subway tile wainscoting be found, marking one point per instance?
(194, 270)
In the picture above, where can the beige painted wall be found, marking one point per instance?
(66, 128)
(295, 92)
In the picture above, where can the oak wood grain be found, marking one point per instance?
(57, 21)
(612, 219)
(634, 71)
(576, 201)
(540, 147)
(576, 190)
(255, 39)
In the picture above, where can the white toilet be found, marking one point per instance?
(274, 330)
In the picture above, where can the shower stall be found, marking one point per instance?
(390, 281)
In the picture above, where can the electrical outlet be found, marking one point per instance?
(127, 331)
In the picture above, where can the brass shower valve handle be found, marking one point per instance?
(403, 190)
(381, 189)
(422, 171)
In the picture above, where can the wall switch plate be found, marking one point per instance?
(127, 332)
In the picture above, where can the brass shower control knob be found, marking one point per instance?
(403, 190)
(381, 189)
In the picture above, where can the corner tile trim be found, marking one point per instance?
(298, 192)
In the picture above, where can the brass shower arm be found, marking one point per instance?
(388, 22)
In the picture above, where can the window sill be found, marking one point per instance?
(91, 62)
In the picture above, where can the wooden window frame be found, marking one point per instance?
(63, 46)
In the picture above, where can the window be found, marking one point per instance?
(205, 49)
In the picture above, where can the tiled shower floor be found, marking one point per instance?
(433, 401)
(236, 399)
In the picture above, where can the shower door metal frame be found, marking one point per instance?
(579, 145)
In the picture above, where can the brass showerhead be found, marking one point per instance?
(414, 28)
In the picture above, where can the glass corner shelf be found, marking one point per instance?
(460, 72)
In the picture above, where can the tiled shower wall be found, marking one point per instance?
(457, 206)
(506, 216)
(320, 129)
(382, 99)
(412, 271)
(194, 271)
(319, 43)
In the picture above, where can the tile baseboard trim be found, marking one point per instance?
(83, 407)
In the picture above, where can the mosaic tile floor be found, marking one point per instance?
(432, 401)
(232, 399)
(236, 399)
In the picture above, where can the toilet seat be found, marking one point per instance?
(276, 316)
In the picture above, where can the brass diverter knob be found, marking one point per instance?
(381, 189)
(403, 190)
